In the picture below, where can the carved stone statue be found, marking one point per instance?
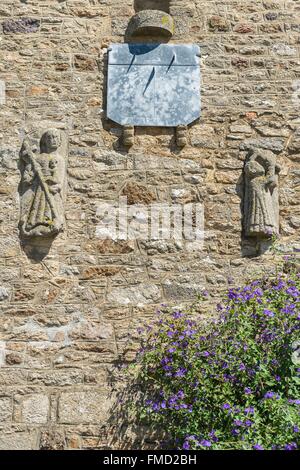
(43, 186)
(261, 218)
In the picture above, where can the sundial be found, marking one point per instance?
(153, 84)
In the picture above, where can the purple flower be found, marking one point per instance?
(165, 360)
(258, 292)
(280, 285)
(232, 294)
(291, 446)
(296, 429)
(155, 406)
(186, 445)
(258, 447)
(248, 391)
(177, 315)
(270, 395)
(289, 309)
(180, 372)
(205, 443)
(293, 291)
(213, 436)
(226, 406)
(249, 410)
(294, 402)
(238, 422)
(268, 313)
(172, 401)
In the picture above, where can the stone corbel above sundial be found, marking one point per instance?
(151, 22)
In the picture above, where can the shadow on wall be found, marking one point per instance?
(124, 431)
(36, 250)
(162, 5)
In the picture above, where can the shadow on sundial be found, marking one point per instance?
(139, 49)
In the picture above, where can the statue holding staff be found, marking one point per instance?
(43, 186)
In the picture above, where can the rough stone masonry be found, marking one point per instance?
(70, 309)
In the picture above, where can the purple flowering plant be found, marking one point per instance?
(229, 382)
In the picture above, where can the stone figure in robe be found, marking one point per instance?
(261, 217)
(43, 186)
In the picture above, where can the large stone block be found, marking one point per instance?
(22, 25)
(136, 295)
(5, 409)
(52, 439)
(10, 377)
(182, 288)
(9, 158)
(83, 407)
(55, 378)
(17, 441)
(138, 193)
(35, 409)
(275, 145)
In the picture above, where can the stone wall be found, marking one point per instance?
(70, 309)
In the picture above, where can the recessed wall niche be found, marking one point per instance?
(162, 5)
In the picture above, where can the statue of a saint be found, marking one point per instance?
(43, 186)
(261, 218)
